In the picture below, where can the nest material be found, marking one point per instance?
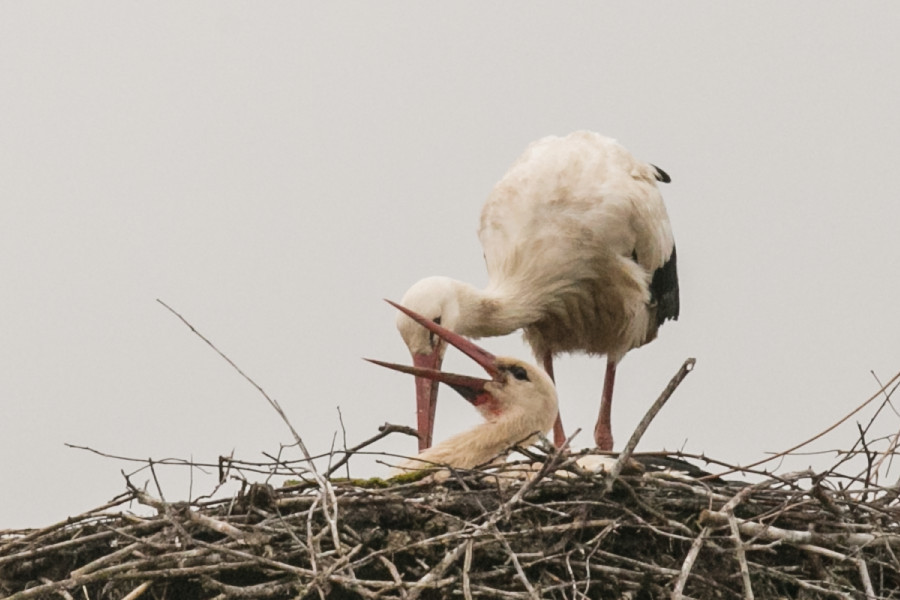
(558, 532)
(540, 528)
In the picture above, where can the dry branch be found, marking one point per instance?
(541, 527)
(658, 534)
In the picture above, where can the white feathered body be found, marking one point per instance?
(580, 255)
(517, 411)
(572, 236)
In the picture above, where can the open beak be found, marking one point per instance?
(426, 368)
(470, 388)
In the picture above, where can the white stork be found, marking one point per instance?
(517, 403)
(580, 255)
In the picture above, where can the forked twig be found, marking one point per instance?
(383, 431)
(324, 483)
(272, 401)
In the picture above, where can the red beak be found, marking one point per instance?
(480, 355)
(427, 393)
(470, 388)
(427, 371)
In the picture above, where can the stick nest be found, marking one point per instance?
(541, 527)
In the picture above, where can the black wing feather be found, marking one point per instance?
(664, 290)
(662, 175)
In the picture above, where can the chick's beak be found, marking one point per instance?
(470, 388)
(427, 371)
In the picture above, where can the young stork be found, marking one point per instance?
(580, 256)
(517, 403)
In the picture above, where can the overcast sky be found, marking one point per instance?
(272, 171)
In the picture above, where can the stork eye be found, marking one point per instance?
(431, 339)
(519, 373)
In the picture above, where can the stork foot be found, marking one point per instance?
(603, 438)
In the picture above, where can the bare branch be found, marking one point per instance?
(686, 368)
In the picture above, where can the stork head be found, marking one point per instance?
(517, 392)
(435, 300)
(521, 394)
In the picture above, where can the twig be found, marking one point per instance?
(895, 438)
(467, 567)
(686, 368)
(439, 570)
(688, 564)
(557, 536)
(383, 431)
(272, 402)
(343, 442)
(813, 438)
(106, 559)
(137, 592)
(324, 483)
(38, 533)
(863, 431)
(771, 533)
(742, 558)
(866, 580)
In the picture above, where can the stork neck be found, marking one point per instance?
(482, 443)
(490, 312)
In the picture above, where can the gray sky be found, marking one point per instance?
(272, 171)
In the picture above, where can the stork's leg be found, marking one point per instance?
(603, 431)
(559, 436)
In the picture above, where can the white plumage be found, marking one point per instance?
(580, 255)
(517, 410)
(517, 403)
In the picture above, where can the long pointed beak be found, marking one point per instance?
(426, 395)
(427, 371)
(484, 358)
(470, 388)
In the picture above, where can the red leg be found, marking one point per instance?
(603, 431)
(559, 436)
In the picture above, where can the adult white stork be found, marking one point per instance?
(517, 403)
(580, 255)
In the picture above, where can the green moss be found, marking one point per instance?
(378, 482)
(374, 482)
(410, 477)
(371, 483)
